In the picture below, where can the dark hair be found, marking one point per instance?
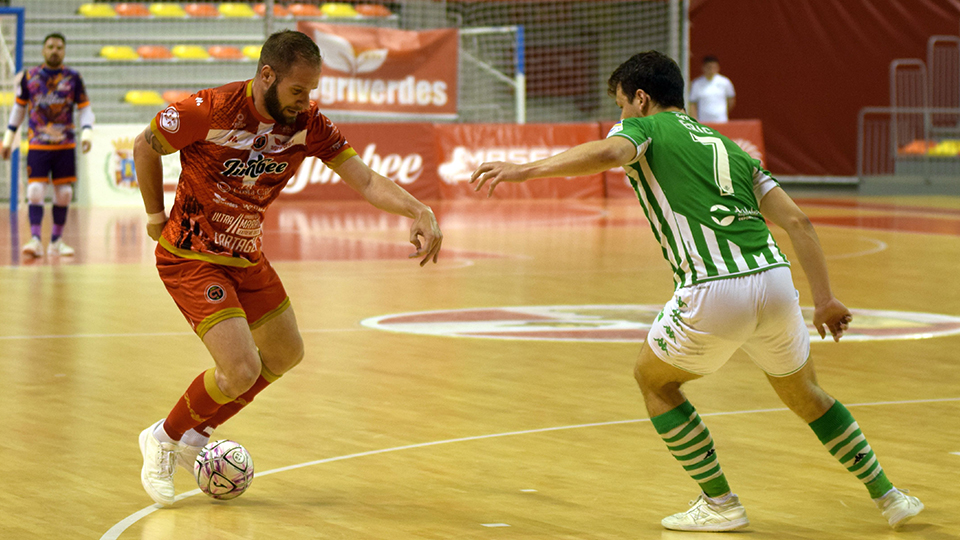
(285, 48)
(57, 35)
(653, 72)
(710, 58)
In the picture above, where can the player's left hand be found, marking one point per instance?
(155, 230)
(425, 226)
(85, 146)
(496, 172)
(835, 316)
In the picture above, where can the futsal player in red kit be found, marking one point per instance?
(239, 145)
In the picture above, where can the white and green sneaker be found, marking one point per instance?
(898, 507)
(159, 464)
(709, 515)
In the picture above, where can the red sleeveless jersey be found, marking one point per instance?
(234, 164)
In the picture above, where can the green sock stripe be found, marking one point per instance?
(832, 423)
(692, 424)
(856, 465)
(700, 464)
(708, 474)
(860, 447)
(870, 473)
(694, 442)
(879, 485)
(716, 487)
(837, 445)
(673, 418)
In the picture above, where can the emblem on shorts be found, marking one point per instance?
(260, 142)
(170, 119)
(215, 294)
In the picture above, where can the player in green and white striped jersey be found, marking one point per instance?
(706, 201)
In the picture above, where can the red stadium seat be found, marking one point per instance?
(201, 10)
(225, 52)
(131, 9)
(154, 52)
(278, 10)
(372, 10)
(304, 10)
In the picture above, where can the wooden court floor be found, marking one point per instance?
(515, 417)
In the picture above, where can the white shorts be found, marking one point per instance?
(703, 325)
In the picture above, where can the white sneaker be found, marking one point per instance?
(187, 456)
(704, 515)
(34, 248)
(898, 507)
(159, 464)
(59, 248)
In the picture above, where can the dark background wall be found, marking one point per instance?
(806, 67)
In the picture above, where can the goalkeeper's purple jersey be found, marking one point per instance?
(50, 96)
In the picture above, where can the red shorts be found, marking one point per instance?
(208, 293)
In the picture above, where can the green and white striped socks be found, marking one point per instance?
(841, 436)
(688, 439)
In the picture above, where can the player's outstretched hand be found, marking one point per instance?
(5, 151)
(425, 225)
(495, 172)
(154, 230)
(835, 316)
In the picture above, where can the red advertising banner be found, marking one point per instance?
(463, 147)
(404, 153)
(748, 134)
(385, 71)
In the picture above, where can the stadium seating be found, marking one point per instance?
(338, 9)
(252, 52)
(154, 52)
(236, 10)
(278, 11)
(201, 10)
(373, 10)
(131, 9)
(166, 9)
(144, 97)
(119, 52)
(190, 52)
(304, 10)
(96, 10)
(225, 52)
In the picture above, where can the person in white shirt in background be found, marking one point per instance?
(711, 95)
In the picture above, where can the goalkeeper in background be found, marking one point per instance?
(49, 93)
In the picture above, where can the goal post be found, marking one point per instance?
(11, 64)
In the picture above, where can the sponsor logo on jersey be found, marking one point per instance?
(723, 216)
(244, 225)
(215, 293)
(252, 168)
(170, 119)
(234, 243)
(629, 323)
(260, 142)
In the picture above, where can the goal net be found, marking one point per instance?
(11, 62)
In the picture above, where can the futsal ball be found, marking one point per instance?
(224, 469)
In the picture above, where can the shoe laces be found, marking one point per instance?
(167, 460)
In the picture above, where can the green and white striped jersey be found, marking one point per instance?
(701, 195)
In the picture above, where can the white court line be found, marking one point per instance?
(156, 334)
(124, 524)
(880, 246)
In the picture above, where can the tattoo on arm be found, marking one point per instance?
(155, 142)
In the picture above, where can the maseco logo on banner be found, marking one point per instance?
(403, 170)
(339, 55)
(464, 161)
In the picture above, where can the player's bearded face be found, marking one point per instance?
(53, 51)
(272, 101)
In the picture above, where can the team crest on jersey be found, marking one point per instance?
(240, 121)
(260, 142)
(170, 119)
(215, 293)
